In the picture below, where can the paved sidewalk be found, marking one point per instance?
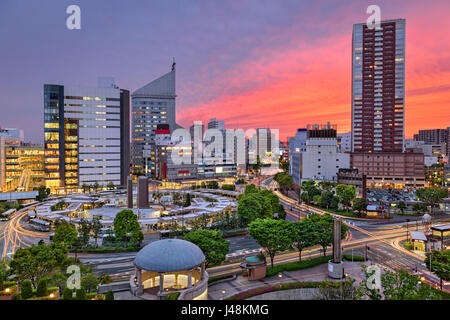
(317, 273)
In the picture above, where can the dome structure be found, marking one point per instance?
(169, 255)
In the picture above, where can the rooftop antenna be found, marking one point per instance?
(173, 64)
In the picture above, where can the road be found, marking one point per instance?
(13, 234)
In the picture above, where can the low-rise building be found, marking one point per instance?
(390, 170)
(352, 177)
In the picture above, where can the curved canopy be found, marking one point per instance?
(169, 255)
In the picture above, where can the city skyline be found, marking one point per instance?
(266, 71)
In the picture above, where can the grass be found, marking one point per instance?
(299, 265)
(283, 286)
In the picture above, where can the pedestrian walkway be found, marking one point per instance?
(318, 273)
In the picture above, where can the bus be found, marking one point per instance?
(7, 214)
(40, 225)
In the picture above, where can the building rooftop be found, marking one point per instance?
(169, 256)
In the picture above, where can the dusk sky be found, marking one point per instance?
(278, 64)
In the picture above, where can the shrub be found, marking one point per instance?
(407, 245)
(214, 279)
(41, 290)
(297, 265)
(67, 294)
(80, 294)
(109, 295)
(348, 257)
(91, 295)
(26, 290)
(172, 296)
(16, 296)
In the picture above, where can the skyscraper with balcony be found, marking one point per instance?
(86, 135)
(153, 104)
(378, 87)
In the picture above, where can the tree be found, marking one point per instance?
(211, 242)
(401, 206)
(43, 193)
(325, 199)
(126, 225)
(326, 185)
(3, 273)
(284, 165)
(26, 290)
(309, 190)
(188, 200)
(110, 186)
(419, 207)
(303, 235)
(440, 263)
(403, 286)
(96, 227)
(272, 235)
(65, 233)
(251, 188)
(85, 187)
(431, 196)
(41, 290)
(360, 205)
(84, 229)
(347, 196)
(257, 166)
(96, 186)
(109, 295)
(89, 282)
(37, 262)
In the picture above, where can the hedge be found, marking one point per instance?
(283, 286)
(214, 279)
(348, 257)
(292, 266)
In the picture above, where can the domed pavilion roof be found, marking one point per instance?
(169, 255)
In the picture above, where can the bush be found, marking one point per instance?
(172, 296)
(41, 290)
(26, 290)
(91, 295)
(80, 294)
(67, 294)
(109, 295)
(297, 265)
(348, 257)
(16, 296)
(407, 245)
(214, 279)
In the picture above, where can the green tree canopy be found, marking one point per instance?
(211, 242)
(36, 262)
(360, 205)
(303, 235)
(65, 233)
(431, 196)
(273, 235)
(440, 263)
(126, 225)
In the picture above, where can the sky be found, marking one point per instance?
(252, 63)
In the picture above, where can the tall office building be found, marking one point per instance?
(378, 87)
(153, 104)
(86, 135)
